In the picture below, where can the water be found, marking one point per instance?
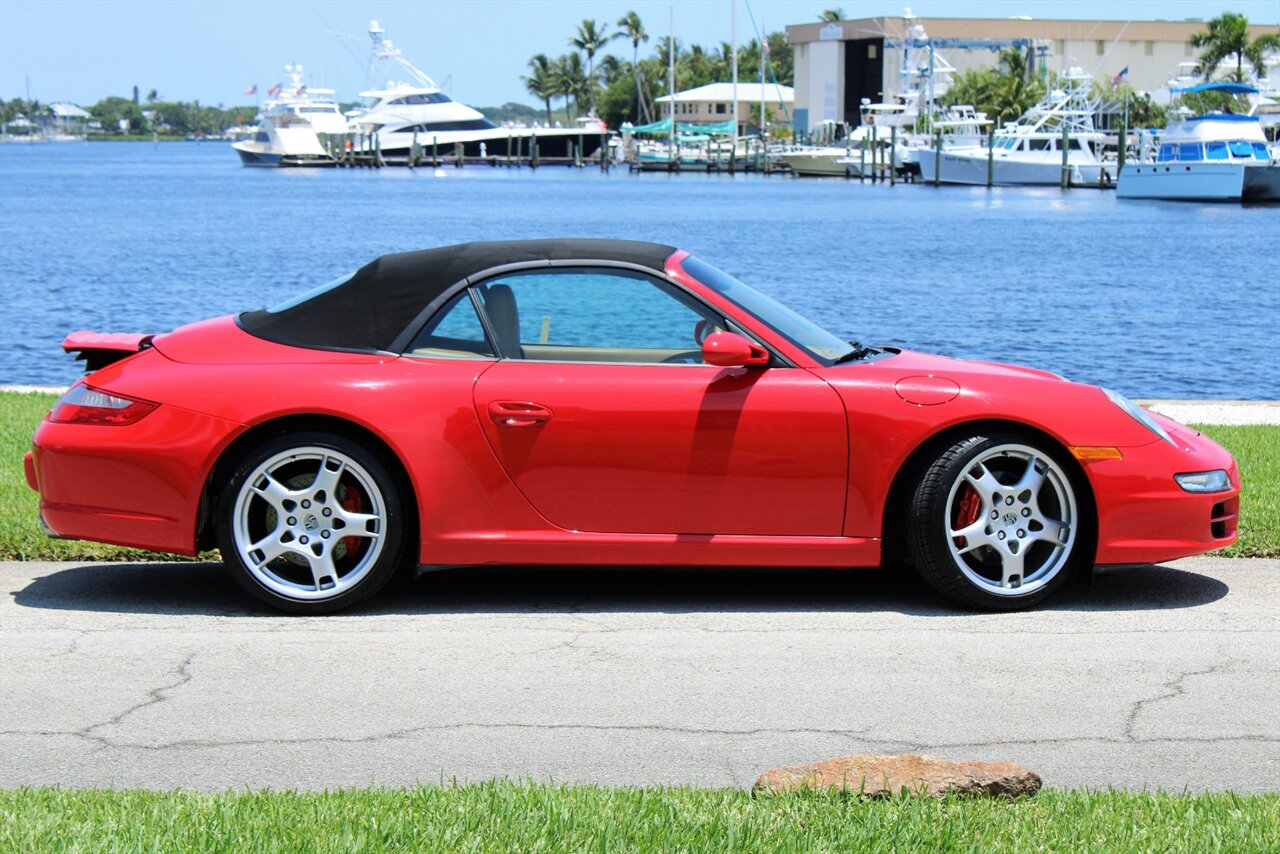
(1154, 299)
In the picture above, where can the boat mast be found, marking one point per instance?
(671, 81)
(733, 5)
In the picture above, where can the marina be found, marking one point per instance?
(146, 237)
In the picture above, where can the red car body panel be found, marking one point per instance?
(553, 462)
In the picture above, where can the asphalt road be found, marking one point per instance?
(165, 676)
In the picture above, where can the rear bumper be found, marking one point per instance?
(138, 485)
(1144, 516)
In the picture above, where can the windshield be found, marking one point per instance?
(804, 333)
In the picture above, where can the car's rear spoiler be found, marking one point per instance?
(99, 349)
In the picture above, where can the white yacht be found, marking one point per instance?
(1215, 157)
(1028, 151)
(402, 113)
(288, 124)
(828, 145)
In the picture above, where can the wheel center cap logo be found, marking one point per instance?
(311, 522)
(1009, 519)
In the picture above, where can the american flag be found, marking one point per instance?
(302, 90)
(251, 90)
(1122, 77)
(275, 90)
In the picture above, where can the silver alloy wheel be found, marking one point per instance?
(1011, 520)
(308, 523)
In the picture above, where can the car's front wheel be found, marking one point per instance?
(995, 522)
(311, 523)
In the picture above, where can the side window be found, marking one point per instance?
(453, 332)
(595, 315)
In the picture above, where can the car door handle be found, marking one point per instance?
(518, 413)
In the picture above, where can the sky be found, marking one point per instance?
(477, 50)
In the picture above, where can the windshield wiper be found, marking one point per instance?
(858, 352)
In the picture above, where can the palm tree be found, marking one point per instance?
(572, 81)
(541, 81)
(591, 37)
(1016, 90)
(1227, 36)
(831, 16)
(634, 30)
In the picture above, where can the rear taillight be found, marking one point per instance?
(84, 405)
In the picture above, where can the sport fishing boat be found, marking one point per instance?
(288, 124)
(1029, 151)
(1214, 157)
(402, 114)
(821, 158)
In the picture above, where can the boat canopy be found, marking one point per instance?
(664, 127)
(1228, 88)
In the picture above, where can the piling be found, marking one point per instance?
(893, 147)
(458, 153)
(1124, 147)
(414, 153)
(1066, 163)
(435, 151)
(991, 155)
(937, 158)
(862, 159)
(533, 151)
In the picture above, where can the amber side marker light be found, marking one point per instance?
(1090, 453)
(84, 405)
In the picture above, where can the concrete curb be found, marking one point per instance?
(1227, 412)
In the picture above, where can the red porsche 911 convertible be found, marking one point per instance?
(607, 403)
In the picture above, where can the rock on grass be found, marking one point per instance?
(887, 776)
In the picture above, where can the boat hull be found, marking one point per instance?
(816, 165)
(553, 144)
(274, 159)
(1262, 183)
(955, 168)
(1192, 182)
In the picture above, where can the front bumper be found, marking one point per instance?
(1144, 516)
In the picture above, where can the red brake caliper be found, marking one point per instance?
(352, 503)
(967, 512)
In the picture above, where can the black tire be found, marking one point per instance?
(328, 544)
(1026, 509)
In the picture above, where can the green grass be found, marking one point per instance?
(21, 538)
(502, 816)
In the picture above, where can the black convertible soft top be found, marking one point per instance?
(374, 306)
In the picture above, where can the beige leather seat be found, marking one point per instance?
(500, 306)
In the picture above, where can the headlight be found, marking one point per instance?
(1137, 413)
(1204, 481)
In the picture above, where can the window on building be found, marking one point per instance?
(721, 109)
(871, 51)
(1149, 48)
(1100, 47)
(1060, 48)
(1186, 49)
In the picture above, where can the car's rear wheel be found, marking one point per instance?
(995, 522)
(311, 523)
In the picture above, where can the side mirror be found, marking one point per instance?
(731, 350)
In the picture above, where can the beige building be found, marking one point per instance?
(837, 65)
(713, 103)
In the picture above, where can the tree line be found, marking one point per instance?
(152, 115)
(590, 81)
